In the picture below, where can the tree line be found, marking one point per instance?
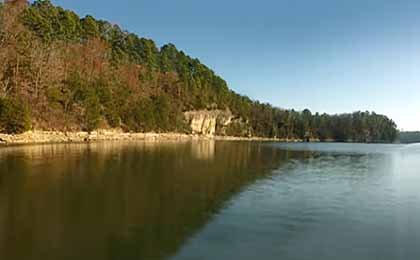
(64, 72)
(409, 137)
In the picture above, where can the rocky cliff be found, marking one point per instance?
(207, 122)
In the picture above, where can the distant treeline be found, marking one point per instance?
(409, 137)
(60, 71)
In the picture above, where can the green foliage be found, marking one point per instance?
(141, 117)
(156, 113)
(90, 27)
(409, 137)
(109, 103)
(237, 128)
(92, 114)
(14, 116)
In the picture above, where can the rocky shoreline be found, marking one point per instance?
(49, 137)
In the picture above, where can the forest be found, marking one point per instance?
(59, 71)
(409, 137)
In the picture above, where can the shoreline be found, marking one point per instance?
(59, 137)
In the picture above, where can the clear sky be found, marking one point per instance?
(326, 55)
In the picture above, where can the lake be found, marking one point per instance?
(210, 200)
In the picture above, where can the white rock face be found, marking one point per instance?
(205, 122)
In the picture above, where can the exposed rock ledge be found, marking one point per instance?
(205, 122)
(43, 137)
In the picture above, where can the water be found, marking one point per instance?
(210, 200)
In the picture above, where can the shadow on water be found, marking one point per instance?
(119, 201)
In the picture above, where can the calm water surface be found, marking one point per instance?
(210, 200)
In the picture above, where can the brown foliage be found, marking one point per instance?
(41, 74)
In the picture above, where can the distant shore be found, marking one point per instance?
(52, 137)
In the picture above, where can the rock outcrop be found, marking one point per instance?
(207, 122)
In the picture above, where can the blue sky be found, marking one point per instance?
(329, 56)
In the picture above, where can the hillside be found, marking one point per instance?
(409, 137)
(59, 71)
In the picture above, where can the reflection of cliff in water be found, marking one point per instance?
(203, 150)
(110, 201)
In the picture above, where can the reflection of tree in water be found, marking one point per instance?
(110, 201)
